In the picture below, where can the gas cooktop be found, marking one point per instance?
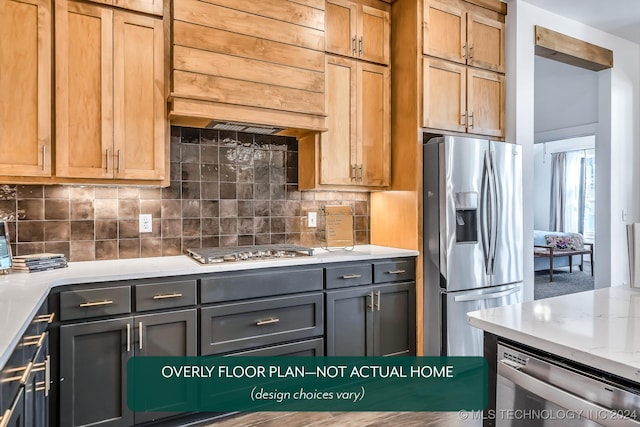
(248, 253)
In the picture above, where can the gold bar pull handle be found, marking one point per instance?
(26, 370)
(96, 303)
(464, 51)
(140, 333)
(370, 305)
(36, 340)
(166, 296)
(471, 52)
(4, 420)
(267, 321)
(353, 45)
(360, 168)
(361, 43)
(463, 119)
(351, 276)
(48, 318)
(353, 175)
(378, 304)
(396, 271)
(119, 164)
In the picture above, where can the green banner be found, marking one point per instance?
(284, 383)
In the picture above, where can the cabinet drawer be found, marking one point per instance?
(260, 283)
(86, 303)
(243, 325)
(156, 296)
(314, 347)
(394, 271)
(348, 275)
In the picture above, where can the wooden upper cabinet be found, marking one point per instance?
(445, 31)
(84, 87)
(355, 150)
(338, 146)
(444, 95)
(462, 99)
(485, 39)
(110, 86)
(485, 102)
(25, 85)
(374, 125)
(357, 30)
(138, 88)
(464, 33)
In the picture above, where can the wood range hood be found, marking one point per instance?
(202, 113)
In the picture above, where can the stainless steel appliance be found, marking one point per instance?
(534, 390)
(472, 241)
(247, 253)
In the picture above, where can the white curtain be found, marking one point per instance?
(558, 198)
(573, 180)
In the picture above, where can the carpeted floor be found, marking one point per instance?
(563, 282)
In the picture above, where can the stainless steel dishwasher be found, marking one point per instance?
(535, 390)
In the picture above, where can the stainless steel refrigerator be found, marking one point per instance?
(472, 242)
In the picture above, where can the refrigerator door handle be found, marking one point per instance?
(493, 229)
(493, 295)
(484, 211)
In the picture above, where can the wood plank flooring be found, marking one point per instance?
(343, 419)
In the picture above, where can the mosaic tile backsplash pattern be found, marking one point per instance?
(227, 189)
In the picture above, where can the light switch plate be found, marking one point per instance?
(146, 224)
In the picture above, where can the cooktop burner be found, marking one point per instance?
(247, 253)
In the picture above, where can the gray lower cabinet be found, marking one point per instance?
(93, 360)
(371, 320)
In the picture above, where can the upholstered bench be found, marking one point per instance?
(561, 245)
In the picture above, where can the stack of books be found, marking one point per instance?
(38, 262)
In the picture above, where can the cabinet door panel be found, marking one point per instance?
(444, 31)
(84, 81)
(167, 334)
(350, 322)
(340, 27)
(93, 383)
(374, 29)
(373, 125)
(486, 42)
(138, 97)
(485, 102)
(25, 85)
(394, 323)
(444, 95)
(338, 154)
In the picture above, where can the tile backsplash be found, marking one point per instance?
(227, 189)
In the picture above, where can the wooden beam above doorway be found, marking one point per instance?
(559, 47)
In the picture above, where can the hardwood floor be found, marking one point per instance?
(343, 419)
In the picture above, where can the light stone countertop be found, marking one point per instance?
(599, 328)
(21, 294)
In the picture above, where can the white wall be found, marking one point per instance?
(542, 174)
(618, 133)
(566, 100)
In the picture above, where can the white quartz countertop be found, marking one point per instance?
(600, 328)
(21, 294)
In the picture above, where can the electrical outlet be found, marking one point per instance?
(146, 225)
(312, 219)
